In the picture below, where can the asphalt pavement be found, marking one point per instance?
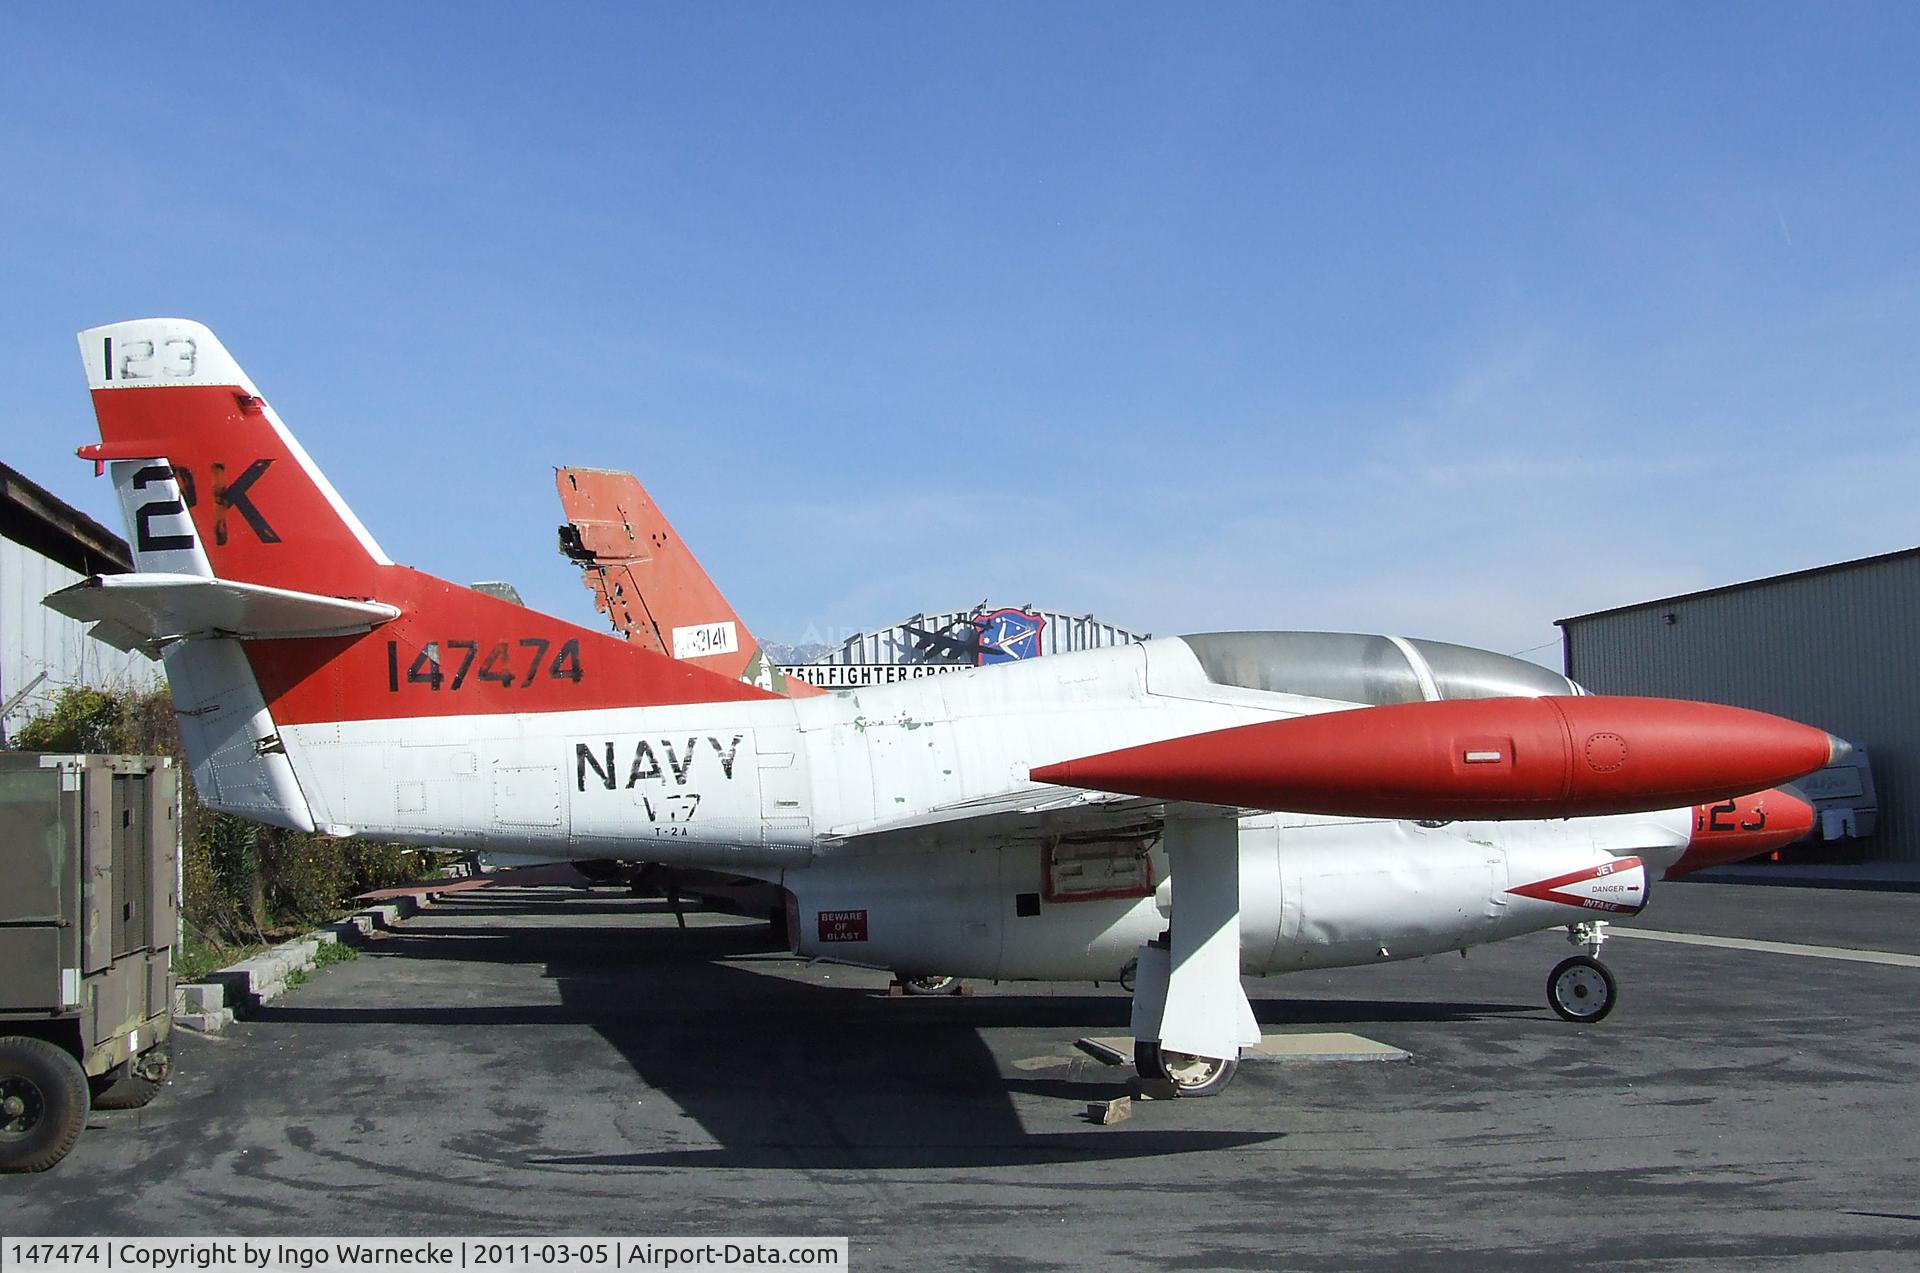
(556, 1061)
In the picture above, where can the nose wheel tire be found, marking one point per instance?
(929, 985)
(43, 1104)
(1190, 1075)
(1581, 990)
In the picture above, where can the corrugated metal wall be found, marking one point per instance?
(1834, 648)
(1063, 633)
(33, 639)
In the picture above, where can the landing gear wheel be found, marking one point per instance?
(928, 985)
(1190, 1075)
(1581, 990)
(43, 1104)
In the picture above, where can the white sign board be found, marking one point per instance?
(853, 676)
(702, 639)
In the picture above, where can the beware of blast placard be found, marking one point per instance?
(843, 926)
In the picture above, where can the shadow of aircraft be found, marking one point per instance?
(790, 1073)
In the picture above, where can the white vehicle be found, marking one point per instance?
(322, 687)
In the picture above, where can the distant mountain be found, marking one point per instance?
(805, 652)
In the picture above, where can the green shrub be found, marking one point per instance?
(336, 952)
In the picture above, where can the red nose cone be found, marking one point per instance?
(1470, 759)
(1737, 829)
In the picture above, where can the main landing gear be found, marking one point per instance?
(928, 985)
(1581, 989)
(1190, 1016)
(1190, 1075)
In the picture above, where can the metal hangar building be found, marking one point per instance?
(1828, 646)
(934, 642)
(45, 545)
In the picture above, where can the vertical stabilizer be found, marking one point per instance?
(262, 511)
(650, 586)
(150, 443)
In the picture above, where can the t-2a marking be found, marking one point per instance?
(670, 814)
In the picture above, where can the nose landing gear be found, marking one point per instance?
(1581, 989)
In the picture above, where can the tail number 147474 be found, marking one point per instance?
(504, 664)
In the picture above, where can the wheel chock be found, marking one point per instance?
(1107, 1113)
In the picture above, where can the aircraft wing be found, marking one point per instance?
(1036, 814)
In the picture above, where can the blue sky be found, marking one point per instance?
(1443, 320)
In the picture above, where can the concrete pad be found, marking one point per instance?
(1335, 1046)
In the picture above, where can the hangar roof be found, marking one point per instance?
(1833, 568)
(33, 517)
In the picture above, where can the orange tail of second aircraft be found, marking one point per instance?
(649, 584)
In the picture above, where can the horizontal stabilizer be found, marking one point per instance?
(146, 611)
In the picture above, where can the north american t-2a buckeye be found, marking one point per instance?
(1189, 809)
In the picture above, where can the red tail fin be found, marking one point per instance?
(211, 481)
(648, 583)
(261, 510)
